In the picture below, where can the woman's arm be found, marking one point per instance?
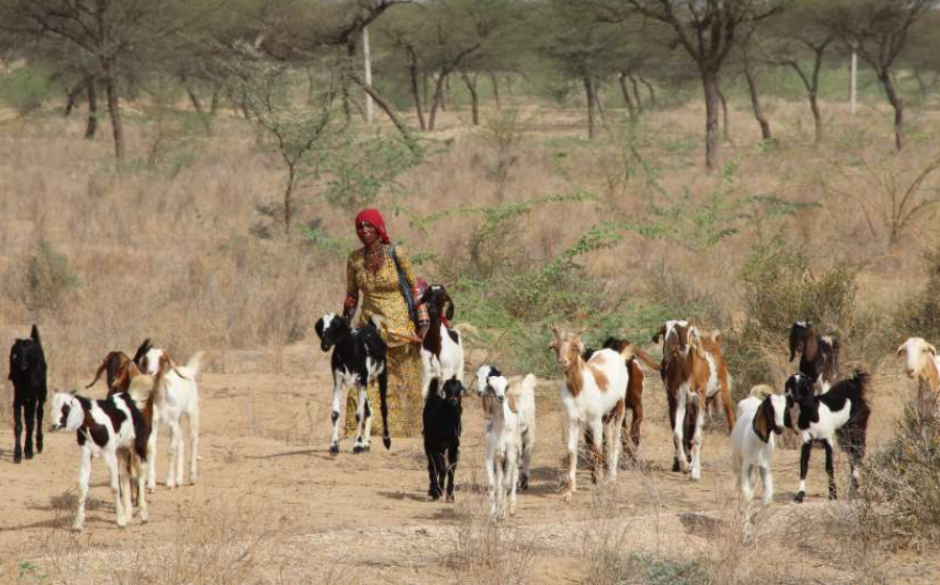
(352, 291)
(404, 262)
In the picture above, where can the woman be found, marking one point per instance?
(374, 272)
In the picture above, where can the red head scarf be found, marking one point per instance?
(372, 216)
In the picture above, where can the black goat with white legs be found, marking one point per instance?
(359, 358)
(841, 413)
(28, 375)
(442, 412)
(819, 354)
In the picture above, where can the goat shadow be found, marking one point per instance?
(401, 496)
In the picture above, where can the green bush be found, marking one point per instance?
(50, 280)
(25, 89)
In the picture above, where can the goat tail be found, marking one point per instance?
(195, 363)
(101, 370)
(646, 359)
(465, 328)
(862, 379)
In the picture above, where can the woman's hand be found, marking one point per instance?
(423, 328)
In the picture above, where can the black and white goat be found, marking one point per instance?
(115, 430)
(359, 358)
(819, 354)
(442, 348)
(841, 413)
(28, 375)
(442, 413)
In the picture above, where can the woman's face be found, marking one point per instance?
(367, 233)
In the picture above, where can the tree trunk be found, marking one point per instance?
(712, 102)
(755, 98)
(471, 82)
(898, 104)
(495, 81)
(600, 104)
(194, 100)
(214, 104)
(437, 102)
(288, 199)
(114, 108)
(92, 128)
(636, 93)
(425, 93)
(415, 93)
(652, 92)
(631, 107)
(72, 97)
(591, 103)
(726, 126)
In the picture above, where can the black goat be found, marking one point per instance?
(442, 412)
(840, 413)
(28, 374)
(359, 358)
(819, 354)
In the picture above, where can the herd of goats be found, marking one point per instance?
(151, 389)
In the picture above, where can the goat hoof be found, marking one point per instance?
(675, 465)
(388, 443)
(799, 497)
(357, 450)
(17, 459)
(334, 449)
(524, 482)
(366, 449)
(77, 528)
(832, 496)
(450, 498)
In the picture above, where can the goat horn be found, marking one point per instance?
(101, 370)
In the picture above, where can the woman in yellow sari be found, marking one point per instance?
(377, 272)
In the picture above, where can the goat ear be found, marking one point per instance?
(932, 349)
(511, 400)
(487, 405)
(145, 347)
(101, 370)
(34, 334)
(73, 391)
(449, 311)
(660, 333)
(761, 423)
(902, 349)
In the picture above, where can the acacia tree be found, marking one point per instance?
(800, 40)
(879, 30)
(106, 34)
(708, 31)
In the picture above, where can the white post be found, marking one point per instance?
(854, 81)
(368, 65)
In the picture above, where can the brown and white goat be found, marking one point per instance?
(693, 371)
(923, 366)
(593, 390)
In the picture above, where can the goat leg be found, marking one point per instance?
(829, 470)
(453, 456)
(17, 431)
(334, 415)
(30, 423)
(39, 413)
(805, 451)
(383, 407)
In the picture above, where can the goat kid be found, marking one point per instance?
(28, 375)
(182, 399)
(359, 359)
(923, 366)
(592, 390)
(107, 428)
(522, 391)
(443, 409)
(760, 416)
(841, 413)
(819, 354)
(442, 354)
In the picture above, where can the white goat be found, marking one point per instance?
(760, 415)
(922, 365)
(182, 398)
(509, 411)
(594, 391)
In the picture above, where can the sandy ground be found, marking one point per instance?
(272, 505)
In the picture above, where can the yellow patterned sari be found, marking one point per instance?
(381, 295)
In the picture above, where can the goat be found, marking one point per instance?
(359, 358)
(517, 427)
(592, 390)
(693, 371)
(841, 413)
(120, 370)
(442, 413)
(922, 365)
(819, 354)
(760, 416)
(28, 375)
(441, 348)
(105, 428)
(182, 399)
(502, 445)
